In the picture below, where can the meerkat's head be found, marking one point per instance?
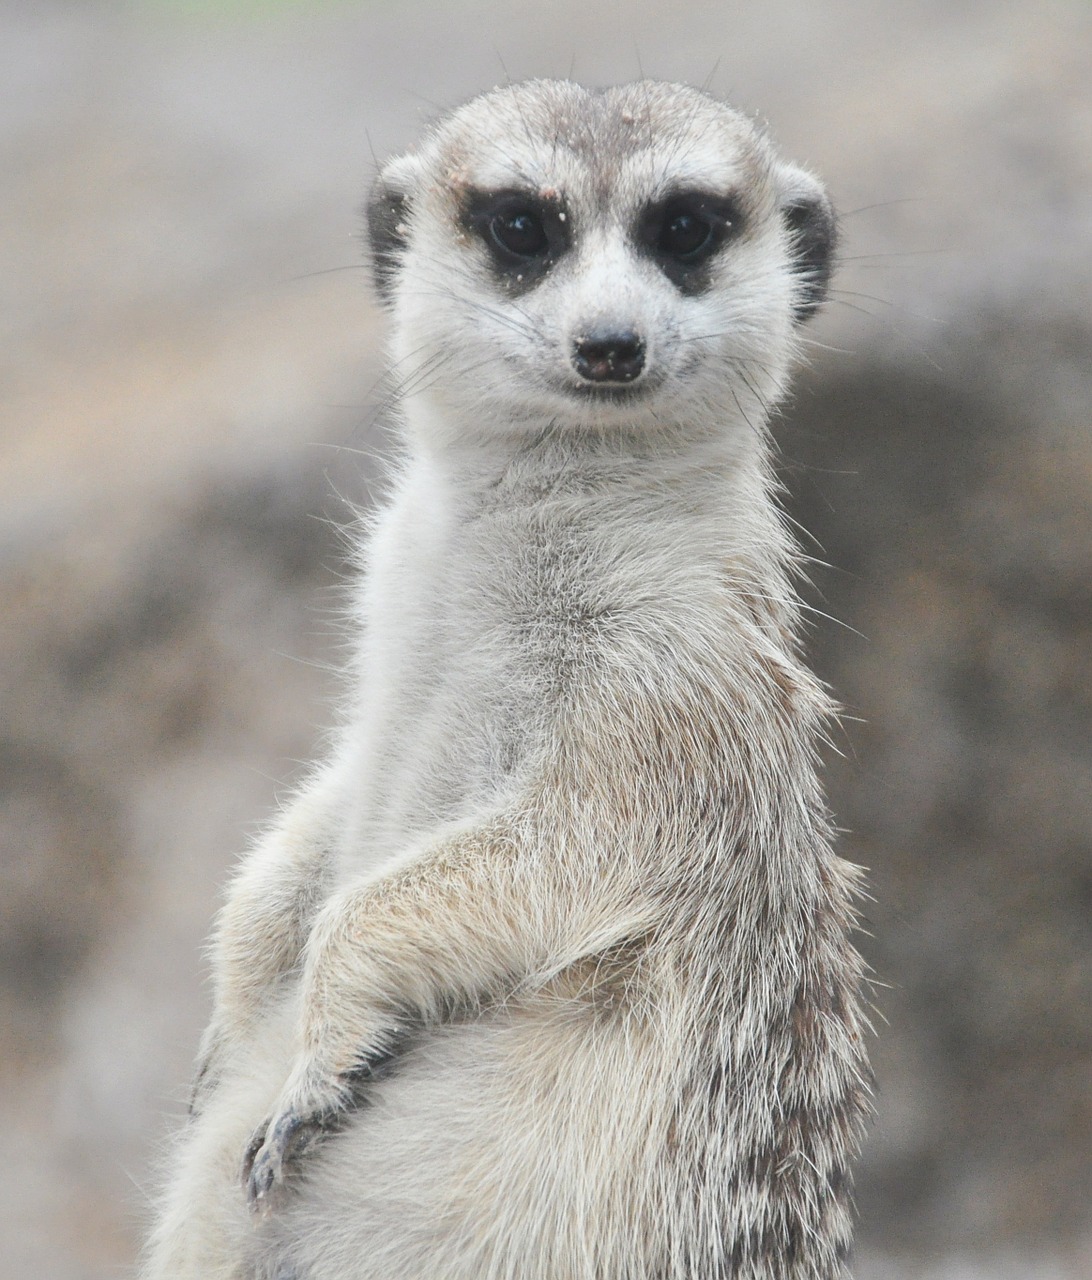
(555, 255)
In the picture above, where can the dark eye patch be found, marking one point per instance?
(684, 231)
(523, 233)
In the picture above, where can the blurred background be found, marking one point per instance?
(188, 373)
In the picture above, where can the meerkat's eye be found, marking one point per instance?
(519, 231)
(684, 231)
(525, 233)
(685, 235)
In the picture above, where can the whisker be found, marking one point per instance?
(327, 271)
(894, 253)
(879, 204)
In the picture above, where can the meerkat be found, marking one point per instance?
(546, 973)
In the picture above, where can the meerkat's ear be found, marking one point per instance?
(388, 212)
(809, 218)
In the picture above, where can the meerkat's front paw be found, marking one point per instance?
(276, 1148)
(313, 1106)
(309, 1107)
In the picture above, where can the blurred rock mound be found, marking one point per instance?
(960, 524)
(190, 416)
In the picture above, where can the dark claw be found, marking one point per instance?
(273, 1152)
(263, 1175)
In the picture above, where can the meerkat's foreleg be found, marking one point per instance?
(461, 925)
(265, 920)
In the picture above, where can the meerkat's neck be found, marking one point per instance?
(714, 481)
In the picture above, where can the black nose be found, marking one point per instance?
(609, 357)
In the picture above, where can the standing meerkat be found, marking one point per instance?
(546, 973)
